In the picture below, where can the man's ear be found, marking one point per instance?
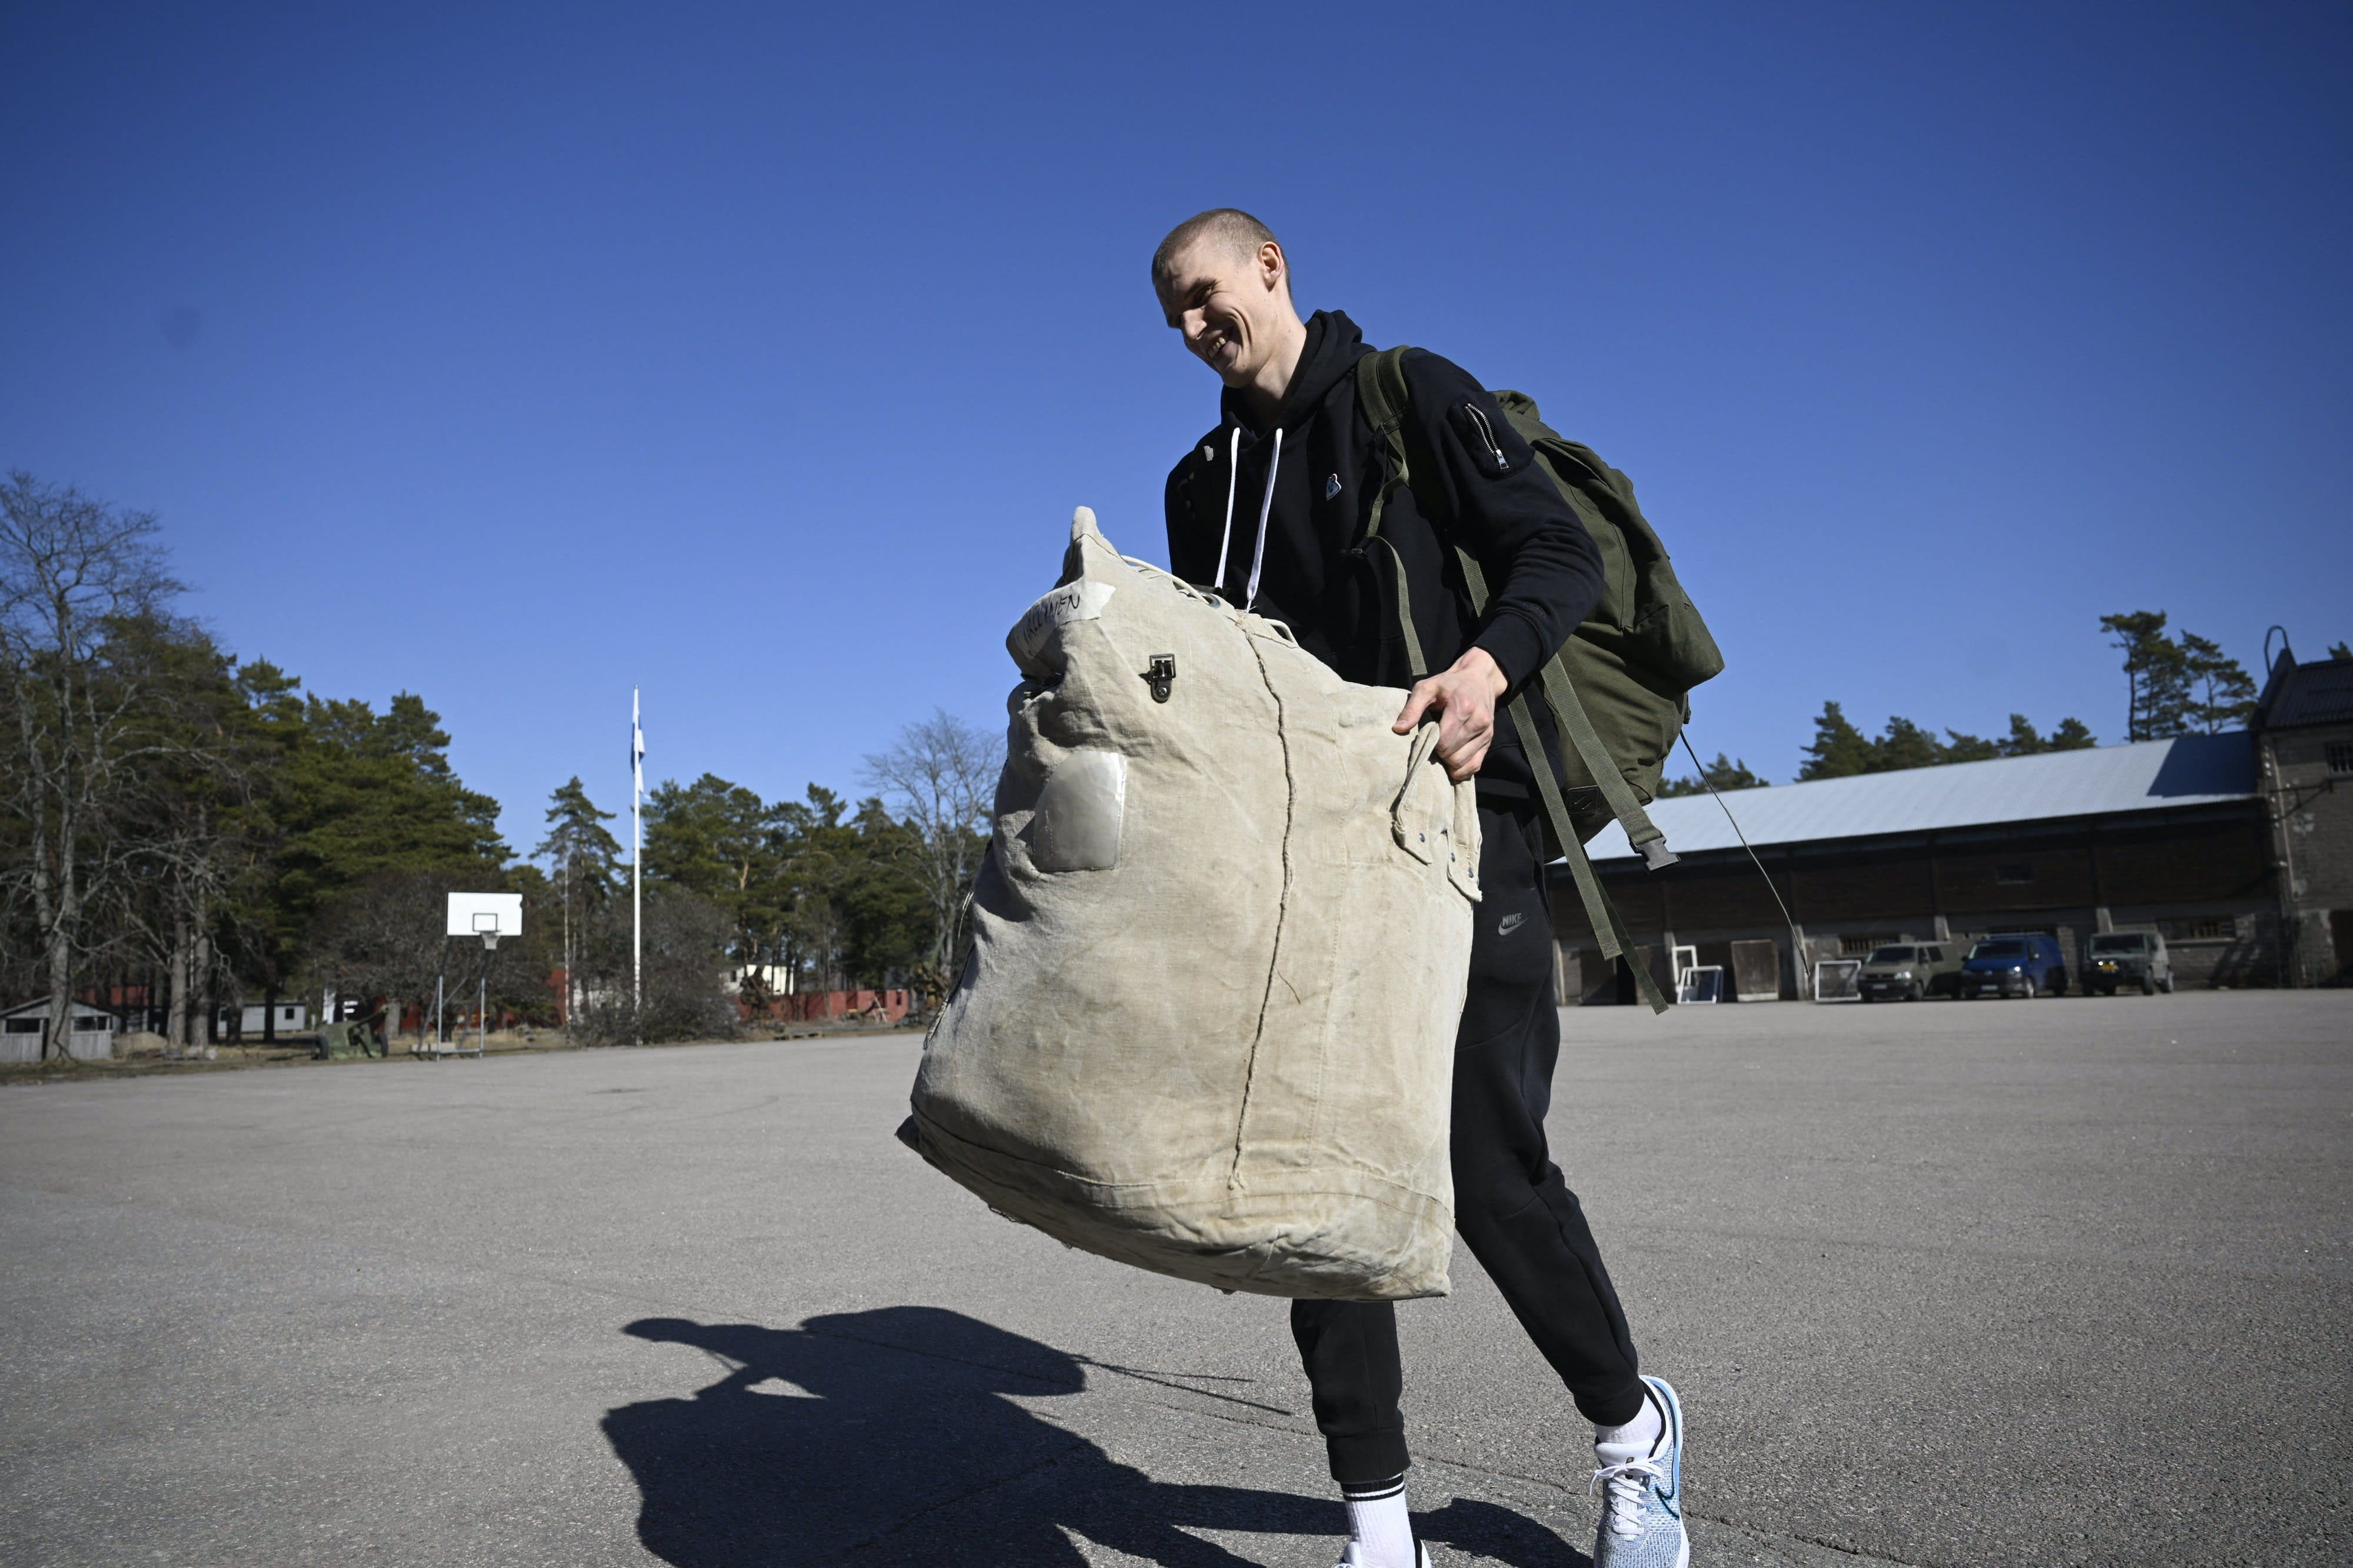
(1273, 271)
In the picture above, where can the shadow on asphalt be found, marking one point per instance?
(893, 1436)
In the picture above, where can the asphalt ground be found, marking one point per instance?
(2054, 1282)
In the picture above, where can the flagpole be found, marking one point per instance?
(636, 874)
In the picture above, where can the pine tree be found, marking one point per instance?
(1724, 773)
(2227, 690)
(2022, 740)
(717, 839)
(577, 849)
(2157, 675)
(1962, 747)
(1905, 744)
(584, 859)
(356, 796)
(2069, 735)
(1839, 749)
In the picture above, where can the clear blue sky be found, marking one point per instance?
(756, 354)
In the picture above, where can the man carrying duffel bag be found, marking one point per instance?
(1294, 506)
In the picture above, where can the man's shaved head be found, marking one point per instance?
(1223, 281)
(1234, 230)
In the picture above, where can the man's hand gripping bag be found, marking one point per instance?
(1219, 951)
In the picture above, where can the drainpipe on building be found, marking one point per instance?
(2291, 973)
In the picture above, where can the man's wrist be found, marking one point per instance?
(1478, 661)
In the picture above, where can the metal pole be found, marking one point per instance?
(440, 988)
(637, 875)
(567, 945)
(482, 1004)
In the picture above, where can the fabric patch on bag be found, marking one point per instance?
(1079, 601)
(1076, 826)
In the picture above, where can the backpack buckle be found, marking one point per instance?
(1162, 675)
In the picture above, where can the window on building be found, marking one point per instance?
(2017, 871)
(2340, 756)
(25, 1026)
(1856, 946)
(2205, 928)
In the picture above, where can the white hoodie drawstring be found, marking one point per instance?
(1266, 503)
(1233, 472)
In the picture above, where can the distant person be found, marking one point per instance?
(1271, 508)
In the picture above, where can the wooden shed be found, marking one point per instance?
(92, 1040)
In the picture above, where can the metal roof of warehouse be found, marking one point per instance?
(2102, 780)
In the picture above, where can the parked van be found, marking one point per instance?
(2136, 958)
(2026, 964)
(1907, 971)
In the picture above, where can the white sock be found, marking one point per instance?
(1634, 1440)
(1378, 1526)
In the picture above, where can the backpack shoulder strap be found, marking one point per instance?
(1382, 396)
(1387, 402)
(1382, 393)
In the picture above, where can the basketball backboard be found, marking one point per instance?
(485, 914)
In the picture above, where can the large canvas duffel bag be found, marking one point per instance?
(1220, 945)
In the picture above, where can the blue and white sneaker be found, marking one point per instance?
(1642, 1495)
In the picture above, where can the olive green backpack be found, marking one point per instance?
(1618, 687)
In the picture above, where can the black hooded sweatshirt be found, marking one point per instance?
(1313, 572)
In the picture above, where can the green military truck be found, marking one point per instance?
(1908, 971)
(2134, 959)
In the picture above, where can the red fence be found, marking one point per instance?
(808, 1006)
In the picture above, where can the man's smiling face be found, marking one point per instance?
(1227, 305)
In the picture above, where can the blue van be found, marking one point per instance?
(2025, 964)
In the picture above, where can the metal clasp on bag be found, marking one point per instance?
(1162, 675)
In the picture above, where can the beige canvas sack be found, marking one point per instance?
(1220, 947)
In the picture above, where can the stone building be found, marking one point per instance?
(2304, 738)
(2174, 835)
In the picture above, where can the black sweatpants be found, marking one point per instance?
(1510, 1206)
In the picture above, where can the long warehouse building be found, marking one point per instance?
(2165, 835)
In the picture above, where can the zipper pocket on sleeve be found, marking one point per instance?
(1487, 439)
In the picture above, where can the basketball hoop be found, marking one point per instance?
(489, 916)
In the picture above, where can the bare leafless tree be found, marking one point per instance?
(187, 831)
(385, 938)
(73, 573)
(685, 973)
(941, 776)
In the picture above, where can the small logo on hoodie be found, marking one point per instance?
(1330, 487)
(1510, 924)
